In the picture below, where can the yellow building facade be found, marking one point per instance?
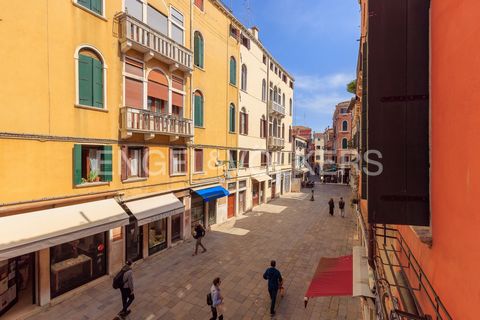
(119, 134)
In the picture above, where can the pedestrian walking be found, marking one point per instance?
(217, 300)
(331, 206)
(341, 205)
(124, 281)
(275, 280)
(198, 234)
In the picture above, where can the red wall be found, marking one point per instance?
(453, 262)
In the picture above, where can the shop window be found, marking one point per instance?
(92, 164)
(232, 159)
(157, 236)
(92, 5)
(178, 161)
(90, 79)
(244, 159)
(135, 162)
(177, 227)
(242, 184)
(197, 211)
(77, 262)
(134, 241)
(198, 160)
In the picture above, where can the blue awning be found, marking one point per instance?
(212, 193)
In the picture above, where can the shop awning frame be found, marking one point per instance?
(29, 232)
(151, 209)
(261, 177)
(211, 193)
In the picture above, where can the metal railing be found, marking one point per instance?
(136, 33)
(393, 255)
(145, 121)
(276, 108)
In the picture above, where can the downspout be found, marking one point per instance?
(190, 92)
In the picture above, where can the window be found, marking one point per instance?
(157, 95)
(93, 5)
(233, 71)
(291, 84)
(290, 134)
(198, 49)
(283, 99)
(134, 83)
(244, 159)
(283, 131)
(199, 4)
(284, 78)
(270, 158)
(157, 20)
(134, 8)
(234, 32)
(157, 236)
(198, 160)
(264, 90)
(91, 163)
(344, 143)
(245, 41)
(90, 79)
(317, 157)
(291, 106)
(232, 159)
(264, 59)
(176, 25)
(263, 127)
(244, 78)
(198, 109)
(275, 94)
(263, 159)
(343, 110)
(178, 161)
(232, 118)
(243, 122)
(271, 66)
(344, 125)
(135, 162)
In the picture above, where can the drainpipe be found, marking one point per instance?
(190, 93)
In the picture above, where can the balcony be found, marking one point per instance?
(152, 123)
(276, 143)
(134, 34)
(276, 108)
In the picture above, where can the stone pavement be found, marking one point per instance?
(173, 285)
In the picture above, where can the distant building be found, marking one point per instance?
(342, 127)
(319, 153)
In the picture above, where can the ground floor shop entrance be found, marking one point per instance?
(133, 242)
(231, 205)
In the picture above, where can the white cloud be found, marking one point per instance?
(316, 83)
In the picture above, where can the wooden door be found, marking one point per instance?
(231, 205)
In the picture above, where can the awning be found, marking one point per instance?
(33, 231)
(155, 208)
(361, 285)
(333, 277)
(261, 177)
(211, 193)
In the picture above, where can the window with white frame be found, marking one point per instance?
(157, 20)
(134, 8)
(178, 161)
(176, 26)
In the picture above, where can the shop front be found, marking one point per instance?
(159, 218)
(208, 196)
(69, 244)
(258, 188)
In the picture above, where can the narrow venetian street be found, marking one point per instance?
(293, 230)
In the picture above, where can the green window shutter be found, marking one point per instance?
(106, 166)
(200, 51)
(77, 164)
(232, 119)
(96, 6)
(233, 71)
(198, 111)
(85, 80)
(196, 50)
(97, 84)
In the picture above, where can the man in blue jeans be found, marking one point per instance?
(274, 281)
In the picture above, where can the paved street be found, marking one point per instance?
(173, 285)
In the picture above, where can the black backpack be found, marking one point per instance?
(118, 279)
(209, 299)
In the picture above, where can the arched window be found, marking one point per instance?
(271, 92)
(291, 106)
(275, 94)
(263, 127)
(198, 109)
(283, 100)
(344, 125)
(264, 90)
(275, 129)
(157, 96)
(233, 71)
(243, 121)
(244, 77)
(198, 49)
(290, 134)
(90, 78)
(344, 143)
(283, 131)
(232, 118)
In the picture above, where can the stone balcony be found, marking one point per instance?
(134, 34)
(275, 143)
(135, 120)
(274, 108)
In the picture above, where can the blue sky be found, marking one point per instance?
(316, 41)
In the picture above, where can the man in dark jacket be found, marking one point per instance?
(275, 280)
(341, 206)
(127, 288)
(198, 234)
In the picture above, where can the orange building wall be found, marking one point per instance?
(453, 263)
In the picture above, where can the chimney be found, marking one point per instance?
(254, 30)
